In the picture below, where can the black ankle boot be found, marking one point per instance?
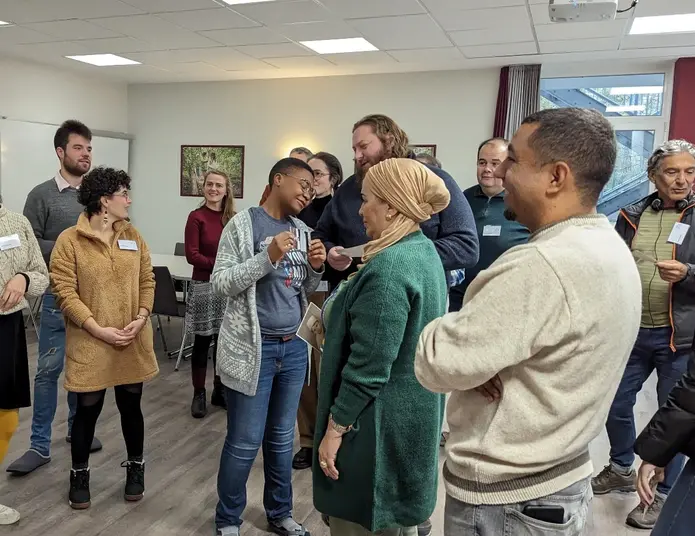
(218, 399)
(134, 480)
(79, 497)
(199, 408)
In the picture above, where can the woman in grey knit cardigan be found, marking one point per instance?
(22, 273)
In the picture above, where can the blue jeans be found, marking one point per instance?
(678, 515)
(461, 519)
(266, 418)
(651, 351)
(50, 366)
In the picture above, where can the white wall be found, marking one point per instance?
(454, 110)
(30, 92)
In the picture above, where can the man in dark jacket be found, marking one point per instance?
(496, 234)
(657, 229)
(670, 432)
(376, 138)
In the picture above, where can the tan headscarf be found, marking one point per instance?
(410, 188)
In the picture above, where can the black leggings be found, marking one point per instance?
(199, 360)
(89, 406)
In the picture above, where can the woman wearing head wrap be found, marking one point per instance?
(377, 429)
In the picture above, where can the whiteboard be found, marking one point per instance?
(27, 158)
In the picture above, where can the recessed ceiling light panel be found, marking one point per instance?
(104, 60)
(340, 46)
(663, 24)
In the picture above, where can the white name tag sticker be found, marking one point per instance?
(492, 230)
(129, 245)
(678, 233)
(9, 242)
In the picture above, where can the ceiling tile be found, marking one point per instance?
(359, 58)
(300, 62)
(41, 51)
(250, 36)
(314, 31)
(17, 35)
(208, 19)
(73, 30)
(449, 5)
(479, 19)
(196, 68)
(504, 33)
(394, 33)
(285, 12)
(494, 51)
(663, 7)
(26, 11)
(284, 50)
(117, 45)
(155, 31)
(363, 9)
(166, 6)
(223, 57)
(657, 41)
(580, 30)
(579, 45)
(428, 55)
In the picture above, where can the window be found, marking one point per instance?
(635, 106)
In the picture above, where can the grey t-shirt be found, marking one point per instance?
(278, 294)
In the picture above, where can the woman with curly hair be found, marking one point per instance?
(103, 281)
(205, 309)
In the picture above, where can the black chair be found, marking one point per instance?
(165, 302)
(180, 251)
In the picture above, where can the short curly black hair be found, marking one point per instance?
(98, 183)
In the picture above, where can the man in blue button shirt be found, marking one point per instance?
(496, 234)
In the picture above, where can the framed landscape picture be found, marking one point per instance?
(197, 159)
(424, 149)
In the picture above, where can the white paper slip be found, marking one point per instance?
(9, 242)
(129, 245)
(492, 230)
(354, 253)
(678, 233)
(311, 328)
(323, 287)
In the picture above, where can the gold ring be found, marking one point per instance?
(323, 464)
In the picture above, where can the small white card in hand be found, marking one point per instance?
(311, 328)
(354, 253)
(9, 242)
(678, 233)
(492, 230)
(129, 245)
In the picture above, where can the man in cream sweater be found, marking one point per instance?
(535, 356)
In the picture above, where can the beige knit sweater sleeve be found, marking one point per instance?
(35, 267)
(511, 311)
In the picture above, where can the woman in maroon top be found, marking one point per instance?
(205, 309)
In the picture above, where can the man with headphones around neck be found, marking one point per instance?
(658, 231)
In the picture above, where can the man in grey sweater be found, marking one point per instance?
(51, 208)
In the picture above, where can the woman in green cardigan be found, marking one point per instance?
(377, 429)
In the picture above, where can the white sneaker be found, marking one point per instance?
(8, 516)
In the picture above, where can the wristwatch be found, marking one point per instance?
(337, 427)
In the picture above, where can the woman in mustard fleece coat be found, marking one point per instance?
(103, 281)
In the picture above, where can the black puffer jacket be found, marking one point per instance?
(682, 304)
(672, 429)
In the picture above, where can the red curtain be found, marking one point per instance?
(683, 104)
(502, 104)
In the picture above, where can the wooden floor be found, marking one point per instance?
(182, 456)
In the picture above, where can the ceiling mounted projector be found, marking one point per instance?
(582, 10)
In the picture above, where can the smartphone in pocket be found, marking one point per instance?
(550, 513)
